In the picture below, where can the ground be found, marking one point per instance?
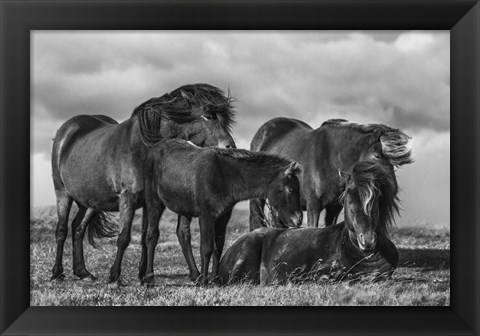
(423, 276)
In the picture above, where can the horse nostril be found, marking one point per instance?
(367, 245)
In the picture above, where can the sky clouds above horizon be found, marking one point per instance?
(401, 79)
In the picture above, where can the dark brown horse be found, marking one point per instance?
(98, 163)
(359, 245)
(206, 183)
(335, 146)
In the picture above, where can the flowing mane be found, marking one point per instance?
(262, 158)
(396, 145)
(184, 105)
(377, 183)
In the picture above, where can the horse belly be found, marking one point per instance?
(94, 180)
(90, 188)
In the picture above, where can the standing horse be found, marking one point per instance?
(98, 163)
(359, 245)
(335, 146)
(206, 183)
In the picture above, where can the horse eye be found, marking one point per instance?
(376, 155)
(290, 189)
(207, 116)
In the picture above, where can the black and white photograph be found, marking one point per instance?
(240, 168)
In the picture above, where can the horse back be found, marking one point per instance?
(276, 131)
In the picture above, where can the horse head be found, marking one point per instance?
(199, 113)
(284, 197)
(370, 202)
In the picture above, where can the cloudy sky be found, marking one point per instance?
(401, 79)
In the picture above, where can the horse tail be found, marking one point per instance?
(100, 226)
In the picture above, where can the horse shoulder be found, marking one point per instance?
(215, 171)
(388, 250)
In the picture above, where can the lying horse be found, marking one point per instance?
(206, 183)
(335, 146)
(98, 163)
(359, 245)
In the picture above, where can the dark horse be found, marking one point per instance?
(98, 163)
(206, 183)
(324, 152)
(359, 245)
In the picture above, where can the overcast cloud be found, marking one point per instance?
(401, 79)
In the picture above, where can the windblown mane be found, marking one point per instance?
(396, 145)
(272, 161)
(377, 183)
(183, 105)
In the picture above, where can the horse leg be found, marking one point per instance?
(220, 229)
(152, 234)
(126, 217)
(206, 243)
(184, 238)
(313, 212)
(331, 213)
(257, 215)
(64, 204)
(79, 225)
(143, 258)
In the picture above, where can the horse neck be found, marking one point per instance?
(248, 179)
(130, 133)
(346, 152)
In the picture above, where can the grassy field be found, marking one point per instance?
(423, 276)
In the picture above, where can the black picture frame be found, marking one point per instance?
(19, 17)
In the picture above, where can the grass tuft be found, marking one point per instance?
(422, 279)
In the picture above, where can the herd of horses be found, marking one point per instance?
(177, 151)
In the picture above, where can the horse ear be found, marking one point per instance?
(293, 169)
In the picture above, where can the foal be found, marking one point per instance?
(206, 183)
(359, 245)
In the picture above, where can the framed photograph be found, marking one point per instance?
(406, 73)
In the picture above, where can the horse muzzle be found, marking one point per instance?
(296, 220)
(367, 242)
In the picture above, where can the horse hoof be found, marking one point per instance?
(194, 277)
(60, 276)
(148, 283)
(215, 280)
(115, 284)
(113, 279)
(88, 278)
(201, 281)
